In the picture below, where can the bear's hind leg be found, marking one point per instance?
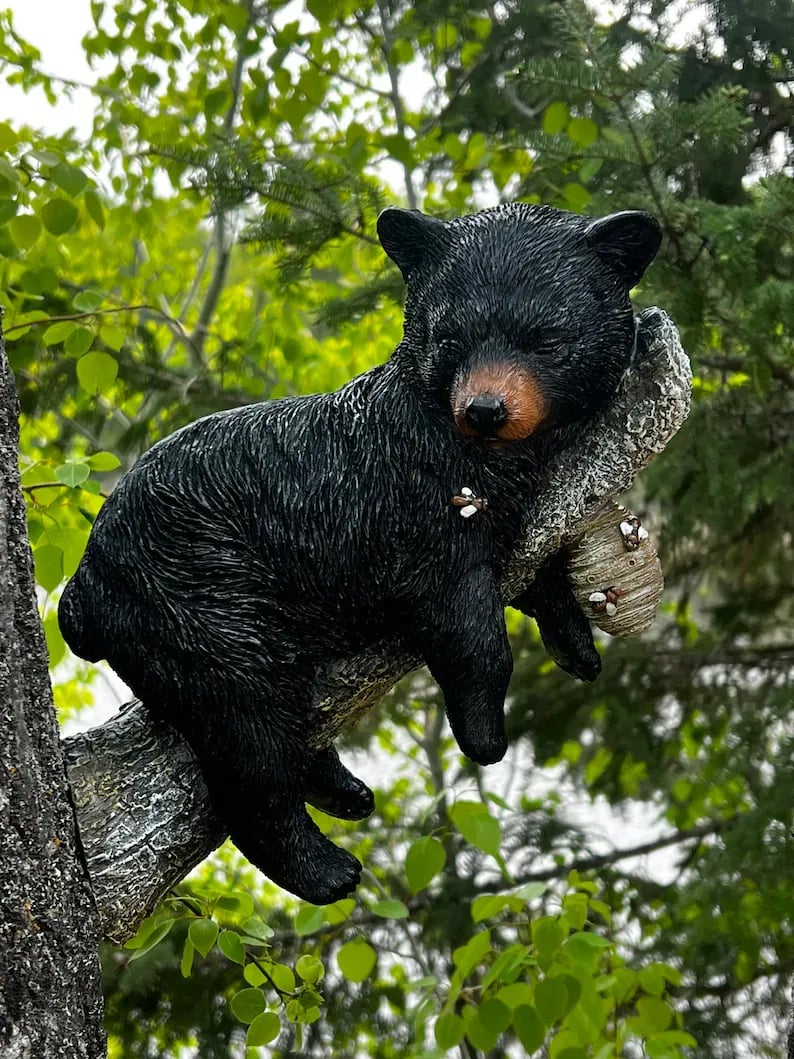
(334, 789)
(562, 623)
(256, 771)
(249, 733)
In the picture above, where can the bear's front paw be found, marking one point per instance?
(480, 734)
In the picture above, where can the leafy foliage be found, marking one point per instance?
(212, 243)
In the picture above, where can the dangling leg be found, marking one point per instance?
(249, 735)
(257, 781)
(462, 637)
(334, 789)
(562, 623)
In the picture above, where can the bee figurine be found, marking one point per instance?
(468, 503)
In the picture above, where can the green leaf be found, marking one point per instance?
(585, 948)
(59, 216)
(495, 1015)
(665, 1044)
(582, 131)
(72, 474)
(248, 1004)
(505, 966)
(186, 963)
(24, 230)
(93, 205)
(231, 946)
(48, 158)
(58, 332)
(39, 280)
(87, 300)
(252, 925)
(551, 999)
(72, 540)
(242, 904)
(323, 10)
(8, 208)
(425, 859)
(79, 341)
(308, 920)
(655, 1015)
(529, 891)
(477, 826)
(390, 908)
(103, 461)
(69, 178)
(576, 197)
(283, 977)
(339, 911)
(356, 960)
(480, 1035)
(202, 933)
(310, 969)
(487, 906)
(56, 645)
(264, 1029)
(548, 934)
(575, 908)
(112, 336)
(515, 995)
(97, 372)
(467, 956)
(152, 939)
(529, 1028)
(573, 990)
(449, 1030)
(48, 564)
(253, 975)
(652, 980)
(8, 138)
(555, 119)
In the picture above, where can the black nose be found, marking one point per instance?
(486, 413)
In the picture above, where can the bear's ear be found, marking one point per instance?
(408, 237)
(626, 241)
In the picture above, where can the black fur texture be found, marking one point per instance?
(254, 546)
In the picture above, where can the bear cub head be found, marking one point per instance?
(518, 318)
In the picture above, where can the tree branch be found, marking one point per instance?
(143, 808)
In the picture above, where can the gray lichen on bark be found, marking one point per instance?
(144, 811)
(50, 989)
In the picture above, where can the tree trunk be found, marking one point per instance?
(143, 808)
(50, 988)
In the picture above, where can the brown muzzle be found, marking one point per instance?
(498, 401)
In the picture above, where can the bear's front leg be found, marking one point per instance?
(463, 639)
(562, 623)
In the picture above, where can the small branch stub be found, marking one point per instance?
(616, 573)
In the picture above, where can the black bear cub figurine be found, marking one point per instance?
(254, 546)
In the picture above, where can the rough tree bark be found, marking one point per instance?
(50, 989)
(144, 812)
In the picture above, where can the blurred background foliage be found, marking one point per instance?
(211, 243)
